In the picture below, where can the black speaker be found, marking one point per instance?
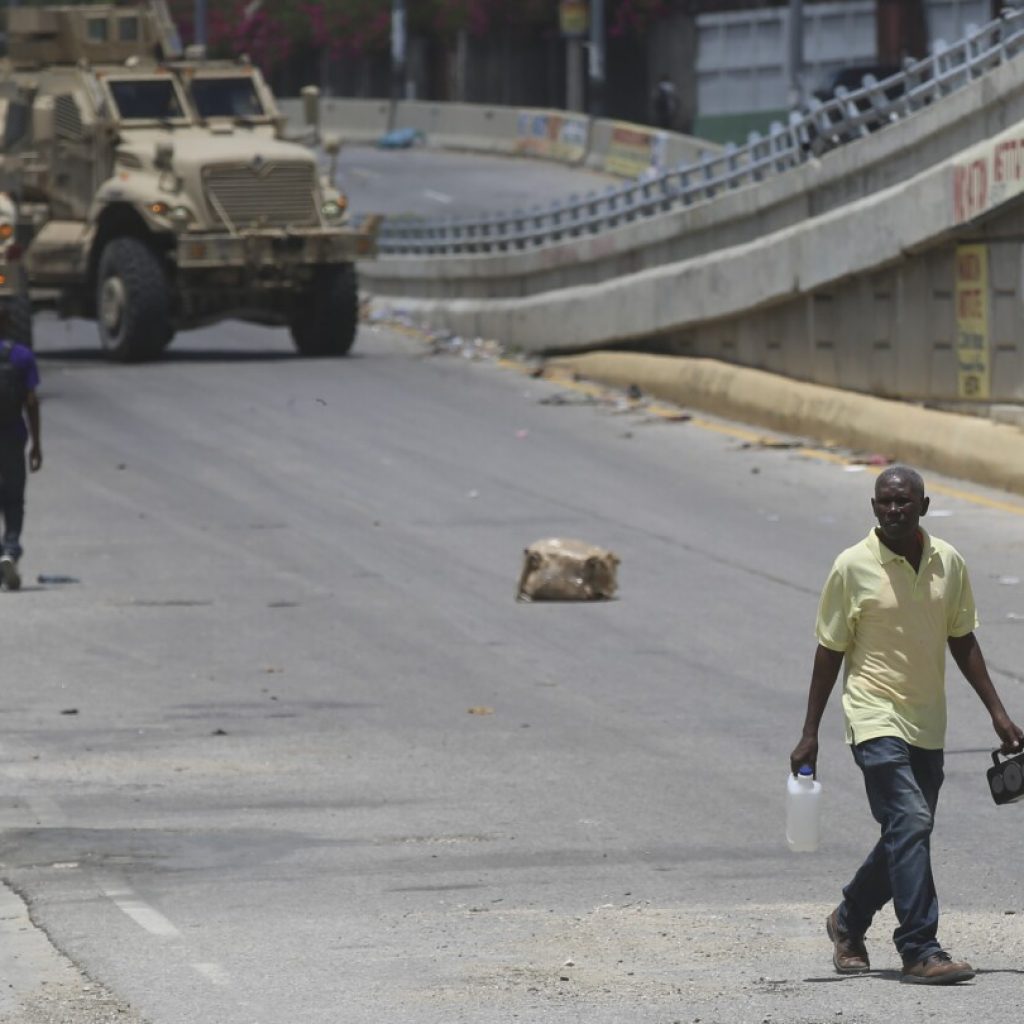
(1006, 778)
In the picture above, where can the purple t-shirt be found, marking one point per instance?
(23, 360)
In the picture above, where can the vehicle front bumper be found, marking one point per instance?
(277, 250)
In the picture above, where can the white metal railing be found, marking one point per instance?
(821, 126)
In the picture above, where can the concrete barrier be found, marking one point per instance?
(460, 125)
(553, 135)
(626, 150)
(631, 150)
(354, 120)
(966, 447)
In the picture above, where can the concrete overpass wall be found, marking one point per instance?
(848, 173)
(866, 297)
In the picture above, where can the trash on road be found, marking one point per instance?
(559, 569)
(872, 460)
(479, 710)
(569, 398)
(44, 578)
(773, 442)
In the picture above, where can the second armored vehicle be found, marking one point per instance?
(14, 295)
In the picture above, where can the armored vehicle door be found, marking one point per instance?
(82, 158)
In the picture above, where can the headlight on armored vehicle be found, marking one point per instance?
(179, 216)
(333, 209)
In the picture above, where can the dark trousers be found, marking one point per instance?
(902, 784)
(12, 494)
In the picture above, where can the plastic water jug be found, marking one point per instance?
(803, 811)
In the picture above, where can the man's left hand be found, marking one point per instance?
(1010, 733)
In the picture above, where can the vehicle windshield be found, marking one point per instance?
(146, 99)
(226, 97)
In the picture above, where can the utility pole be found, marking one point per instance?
(796, 54)
(398, 48)
(573, 22)
(199, 14)
(596, 63)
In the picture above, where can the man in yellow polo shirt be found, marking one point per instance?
(890, 607)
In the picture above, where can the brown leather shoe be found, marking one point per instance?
(938, 969)
(849, 954)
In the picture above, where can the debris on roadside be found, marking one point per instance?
(872, 460)
(558, 569)
(773, 443)
(401, 138)
(568, 398)
(479, 710)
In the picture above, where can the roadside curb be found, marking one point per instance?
(28, 960)
(966, 447)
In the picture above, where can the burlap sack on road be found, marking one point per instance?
(559, 569)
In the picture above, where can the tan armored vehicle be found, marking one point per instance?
(13, 284)
(157, 193)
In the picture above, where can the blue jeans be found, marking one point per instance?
(12, 494)
(902, 784)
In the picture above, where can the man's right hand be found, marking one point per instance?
(805, 752)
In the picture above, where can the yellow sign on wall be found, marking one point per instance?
(972, 343)
(574, 18)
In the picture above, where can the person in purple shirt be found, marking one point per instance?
(14, 433)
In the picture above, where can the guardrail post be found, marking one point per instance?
(574, 210)
(518, 224)
(611, 194)
(536, 237)
(501, 230)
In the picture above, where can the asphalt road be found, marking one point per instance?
(437, 183)
(288, 750)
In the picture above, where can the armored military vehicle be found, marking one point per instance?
(14, 295)
(156, 190)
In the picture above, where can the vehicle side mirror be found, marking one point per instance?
(164, 158)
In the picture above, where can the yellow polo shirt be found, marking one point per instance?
(892, 624)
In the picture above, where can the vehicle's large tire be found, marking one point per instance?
(133, 301)
(326, 323)
(19, 307)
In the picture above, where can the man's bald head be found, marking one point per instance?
(904, 474)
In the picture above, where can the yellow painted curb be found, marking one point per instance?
(966, 447)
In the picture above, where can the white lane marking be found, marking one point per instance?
(140, 912)
(438, 197)
(213, 972)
